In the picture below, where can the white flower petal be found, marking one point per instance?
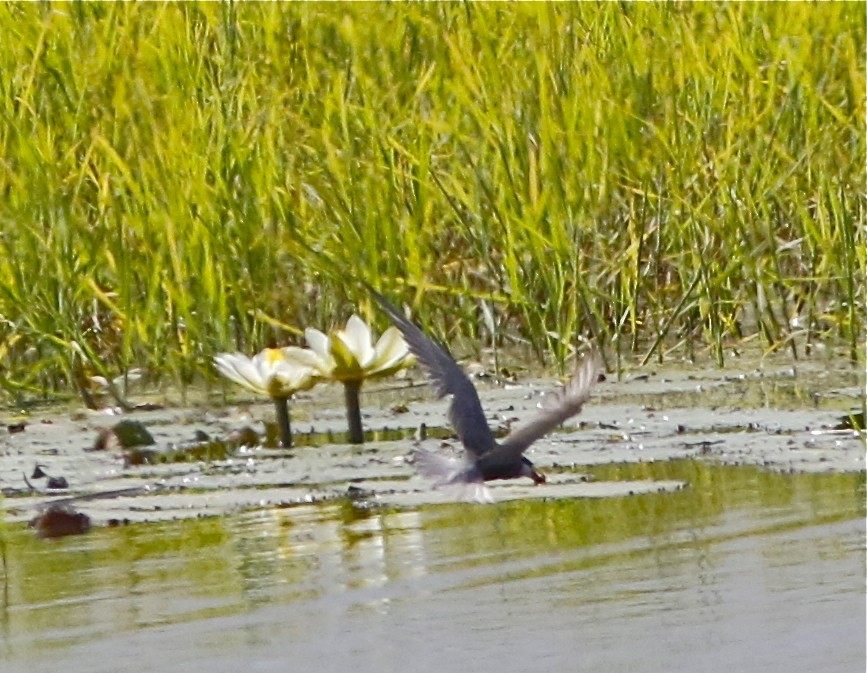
(318, 342)
(225, 363)
(263, 363)
(258, 370)
(242, 370)
(308, 358)
(269, 372)
(390, 349)
(358, 340)
(291, 377)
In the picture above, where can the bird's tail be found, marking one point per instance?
(442, 469)
(452, 473)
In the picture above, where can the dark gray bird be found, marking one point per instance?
(485, 458)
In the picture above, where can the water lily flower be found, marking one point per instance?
(350, 356)
(278, 373)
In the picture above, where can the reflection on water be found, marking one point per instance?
(744, 570)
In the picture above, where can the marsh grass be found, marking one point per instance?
(184, 179)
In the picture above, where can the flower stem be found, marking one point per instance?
(353, 411)
(281, 405)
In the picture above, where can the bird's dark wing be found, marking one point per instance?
(465, 412)
(561, 405)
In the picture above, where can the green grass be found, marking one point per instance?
(184, 179)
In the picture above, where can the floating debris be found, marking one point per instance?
(123, 435)
(852, 421)
(355, 493)
(59, 521)
(139, 456)
(245, 436)
(52, 483)
(57, 483)
(203, 447)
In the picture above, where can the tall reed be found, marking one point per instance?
(182, 179)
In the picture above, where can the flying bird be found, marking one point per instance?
(485, 458)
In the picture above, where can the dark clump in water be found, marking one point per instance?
(124, 435)
(60, 521)
(852, 421)
(51, 483)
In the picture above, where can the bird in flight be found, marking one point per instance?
(485, 458)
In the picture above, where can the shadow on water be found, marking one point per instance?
(335, 585)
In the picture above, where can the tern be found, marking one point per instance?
(485, 458)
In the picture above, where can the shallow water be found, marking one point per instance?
(743, 570)
(694, 521)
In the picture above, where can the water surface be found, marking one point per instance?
(744, 570)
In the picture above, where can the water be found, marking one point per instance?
(744, 570)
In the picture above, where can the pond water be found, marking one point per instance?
(693, 522)
(745, 570)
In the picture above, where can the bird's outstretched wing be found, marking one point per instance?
(559, 406)
(465, 412)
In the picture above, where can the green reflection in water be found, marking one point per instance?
(114, 579)
(526, 528)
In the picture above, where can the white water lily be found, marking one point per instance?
(271, 372)
(349, 354)
(276, 372)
